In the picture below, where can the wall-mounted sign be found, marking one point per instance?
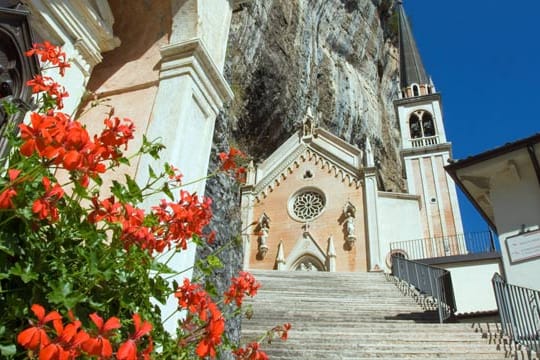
(524, 246)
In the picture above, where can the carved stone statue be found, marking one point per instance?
(264, 229)
(349, 213)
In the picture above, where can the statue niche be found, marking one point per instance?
(263, 228)
(349, 226)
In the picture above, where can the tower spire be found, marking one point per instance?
(413, 77)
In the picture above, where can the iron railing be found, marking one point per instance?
(460, 244)
(428, 280)
(519, 310)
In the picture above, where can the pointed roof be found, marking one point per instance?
(410, 65)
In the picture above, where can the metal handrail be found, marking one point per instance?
(428, 280)
(519, 310)
(459, 244)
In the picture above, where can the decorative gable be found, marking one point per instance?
(325, 150)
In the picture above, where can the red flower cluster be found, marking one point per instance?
(66, 143)
(250, 352)
(184, 219)
(177, 221)
(45, 206)
(174, 175)
(36, 337)
(197, 301)
(71, 341)
(241, 286)
(46, 84)
(9, 192)
(51, 54)
(282, 330)
(232, 162)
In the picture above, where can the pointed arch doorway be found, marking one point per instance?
(308, 262)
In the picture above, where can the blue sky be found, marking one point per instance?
(484, 58)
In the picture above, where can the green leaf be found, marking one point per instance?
(8, 350)
(26, 274)
(214, 262)
(167, 190)
(10, 108)
(134, 189)
(118, 190)
(151, 173)
(62, 293)
(6, 250)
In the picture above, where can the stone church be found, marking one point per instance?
(316, 204)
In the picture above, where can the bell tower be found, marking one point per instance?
(425, 149)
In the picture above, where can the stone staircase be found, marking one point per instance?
(357, 316)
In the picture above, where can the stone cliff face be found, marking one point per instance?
(337, 57)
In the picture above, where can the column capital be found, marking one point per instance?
(193, 59)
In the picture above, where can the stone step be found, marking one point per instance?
(356, 316)
(367, 336)
(359, 353)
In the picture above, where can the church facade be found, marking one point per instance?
(315, 204)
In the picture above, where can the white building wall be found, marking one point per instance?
(516, 205)
(399, 220)
(472, 285)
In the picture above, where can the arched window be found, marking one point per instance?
(397, 253)
(427, 124)
(415, 90)
(421, 124)
(414, 125)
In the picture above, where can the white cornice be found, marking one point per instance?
(87, 27)
(191, 57)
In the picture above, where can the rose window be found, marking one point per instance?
(308, 205)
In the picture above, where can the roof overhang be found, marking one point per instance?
(474, 174)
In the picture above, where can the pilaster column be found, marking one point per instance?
(191, 93)
(331, 254)
(372, 215)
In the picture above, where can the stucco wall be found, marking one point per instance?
(473, 290)
(516, 204)
(399, 219)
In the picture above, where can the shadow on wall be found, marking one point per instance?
(139, 25)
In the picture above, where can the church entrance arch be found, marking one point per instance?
(308, 262)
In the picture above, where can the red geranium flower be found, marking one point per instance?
(231, 162)
(50, 53)
(100, 345)
(250, 352)
(242, 285)
(10, 192)
(36, 337)
(45, 206)
(128, 349)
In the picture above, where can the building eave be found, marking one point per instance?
(466, 168)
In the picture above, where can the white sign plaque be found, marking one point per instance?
(524, 246)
